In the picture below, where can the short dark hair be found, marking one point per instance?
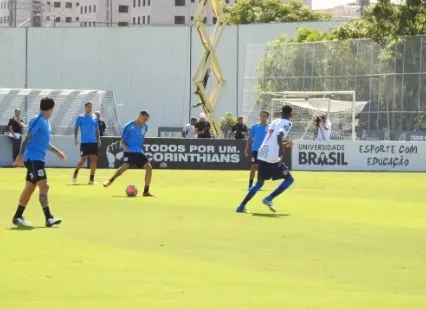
(46, 104)
(264, 112)
(287, 110)
(144, 113)
(87, 104)
(193, 118)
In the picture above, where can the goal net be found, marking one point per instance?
(340, 107)
(69, 104)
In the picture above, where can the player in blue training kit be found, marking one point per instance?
(132, 140)
(271, 160)
(90, 141)
(33, 155)
(257, 134)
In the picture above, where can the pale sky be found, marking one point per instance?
(325, 4)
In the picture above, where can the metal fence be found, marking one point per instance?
(390, 76)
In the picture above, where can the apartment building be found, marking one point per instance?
(101, 13)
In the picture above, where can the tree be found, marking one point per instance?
(270, 11)
(369, 55)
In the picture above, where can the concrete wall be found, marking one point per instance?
(146, 67)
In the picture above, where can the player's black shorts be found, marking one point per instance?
(87, 149)
(254, 157)
(272, 171)
(35, 171)
(135, 158)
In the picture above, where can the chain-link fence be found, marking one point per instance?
(390, 76)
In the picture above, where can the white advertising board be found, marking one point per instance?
(359, 156)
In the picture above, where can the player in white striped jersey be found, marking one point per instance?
(271, 160)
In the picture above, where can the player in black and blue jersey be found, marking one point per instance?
(33, 155)
(132, 140)
(257, 134)
(90, 141)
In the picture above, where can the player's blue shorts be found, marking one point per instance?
(272, 171)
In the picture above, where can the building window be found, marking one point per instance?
(123, 9)
(134, 20)
(144, 3)
(85, 24)
(68, 19)
(68, 5)
(192, 1)
(192, 18)
(85, 9)
(47, 17)
(123, 24)
(90, 9)
(134, 3)
(94, 8)
(149, 2)
(227, 1)
(48, 3)
(149, 19)
(179, 2)
(94, 24)
(57, 4)
(214, 20)
(205, 20)
(179, 20)
(77, 4)
(81, 24)
(77, 18)
(81, 10)
(143, 20)
(58, 19)
(139, 20)
(139, 3)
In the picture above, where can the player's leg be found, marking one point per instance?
(26, 194)
(253, 168)
(142, 161)
(80, 163)
(43, 187)
(124, 167)
(252, 174)
(93, 163)
(25, 197)
(282, 173)
(261, 177)
(148, 176)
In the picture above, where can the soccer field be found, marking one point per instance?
(339, 240)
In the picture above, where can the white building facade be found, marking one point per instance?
(96, 13)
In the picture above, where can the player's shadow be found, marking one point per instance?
(257, 214)
(27, 228)
(78, 184)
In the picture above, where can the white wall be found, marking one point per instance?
(12, 58)
(146, 67)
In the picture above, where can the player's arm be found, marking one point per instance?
(98, 133)
(185, 131)
(248, 146)
(124, 138)
(57, 152)
(77, 125)
(250, 141)
(282, 144)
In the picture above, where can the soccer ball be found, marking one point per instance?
(131, 191)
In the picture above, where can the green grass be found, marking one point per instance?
(341, 240)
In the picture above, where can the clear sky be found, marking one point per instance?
(325, 4)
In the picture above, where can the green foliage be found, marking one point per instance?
(270, 11)
(227, 121)
(339, 60)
